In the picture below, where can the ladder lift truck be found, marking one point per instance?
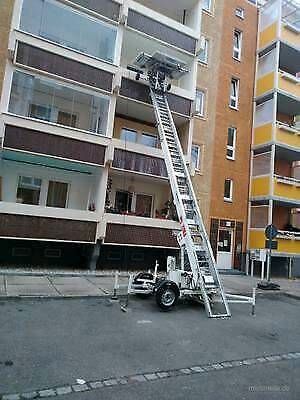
(197, 277)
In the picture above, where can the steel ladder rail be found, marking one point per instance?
(167, 128)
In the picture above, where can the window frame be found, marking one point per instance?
(237, 51)
(231, 147)
(228, 199)
(240, 12)
(206, 50)
(210, 7)
(201, 111)
(67, 194)
(235, 98)
(40, 191)
(198, 166)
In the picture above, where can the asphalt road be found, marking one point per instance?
(45, 344)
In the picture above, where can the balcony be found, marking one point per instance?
(289, 84)
(288, 242)
(288, 135)
(287, 188)
(24, 221)
(176, 25)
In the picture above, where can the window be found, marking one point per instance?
(57, 194)
(237, 44)
(148, 140)
(123, 202)
(203, 55)
(228, 189)
(234, 93)
(46, 100)
(240, 12)
(129, 135)
(62, 24)
(196, 157)
(207, 5)
(143, 205)
(200, 103)
(231, 141)
(28, 191)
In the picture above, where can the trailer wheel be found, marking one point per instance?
(167, 296)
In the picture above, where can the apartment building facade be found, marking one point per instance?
(223, 127)
(275, 178)
(83, 179)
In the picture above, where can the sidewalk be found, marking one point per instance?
(97, 285)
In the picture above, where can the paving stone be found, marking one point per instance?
(47, 393)
(250, 361)
(29, 395)
(11, 397)
(110, 382)
(217, 366)
(261, 359)
(236, 363)
(227, 364)
(208, 367)
(197, 369)
(292, 355)
(162, 374)
(80, 388)
(96, 385)
(174, 372)
(122, 381)
(185, 371)
(63, 390)
(151, 377)
(138, 378)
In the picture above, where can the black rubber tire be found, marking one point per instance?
(166, 297)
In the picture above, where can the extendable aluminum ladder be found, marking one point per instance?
(193, 236)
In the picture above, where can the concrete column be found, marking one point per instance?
(93, 256)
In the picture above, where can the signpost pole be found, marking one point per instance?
(269, 260)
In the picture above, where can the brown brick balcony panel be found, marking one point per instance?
(140, 92)
(43, 60)
(43, 143)
(32, 227)
(160, 31)
(130, 161)
(140, 236)
(108, 8)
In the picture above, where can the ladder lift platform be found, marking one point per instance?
(197, 277)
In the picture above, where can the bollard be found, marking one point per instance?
(253, 300)
(114, 295)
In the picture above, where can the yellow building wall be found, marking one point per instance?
(288, 138)
(290, 37)
(260, 186)
(262, 134)
(257, 241)
(287, 191)
(289, 86)
(265, 84)
(268, 35)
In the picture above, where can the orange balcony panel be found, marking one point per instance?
(289, 36)
(287, 136)
(289, 84)
(265, 84)
(263, 134)
(268, 35)
(260, 186)
(286, 190)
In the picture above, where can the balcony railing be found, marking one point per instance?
(292, 235)
(287, 180)
(289, 83)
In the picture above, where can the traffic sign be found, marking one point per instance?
(271, 231)
(271, 244)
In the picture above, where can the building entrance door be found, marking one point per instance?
(225, 247)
